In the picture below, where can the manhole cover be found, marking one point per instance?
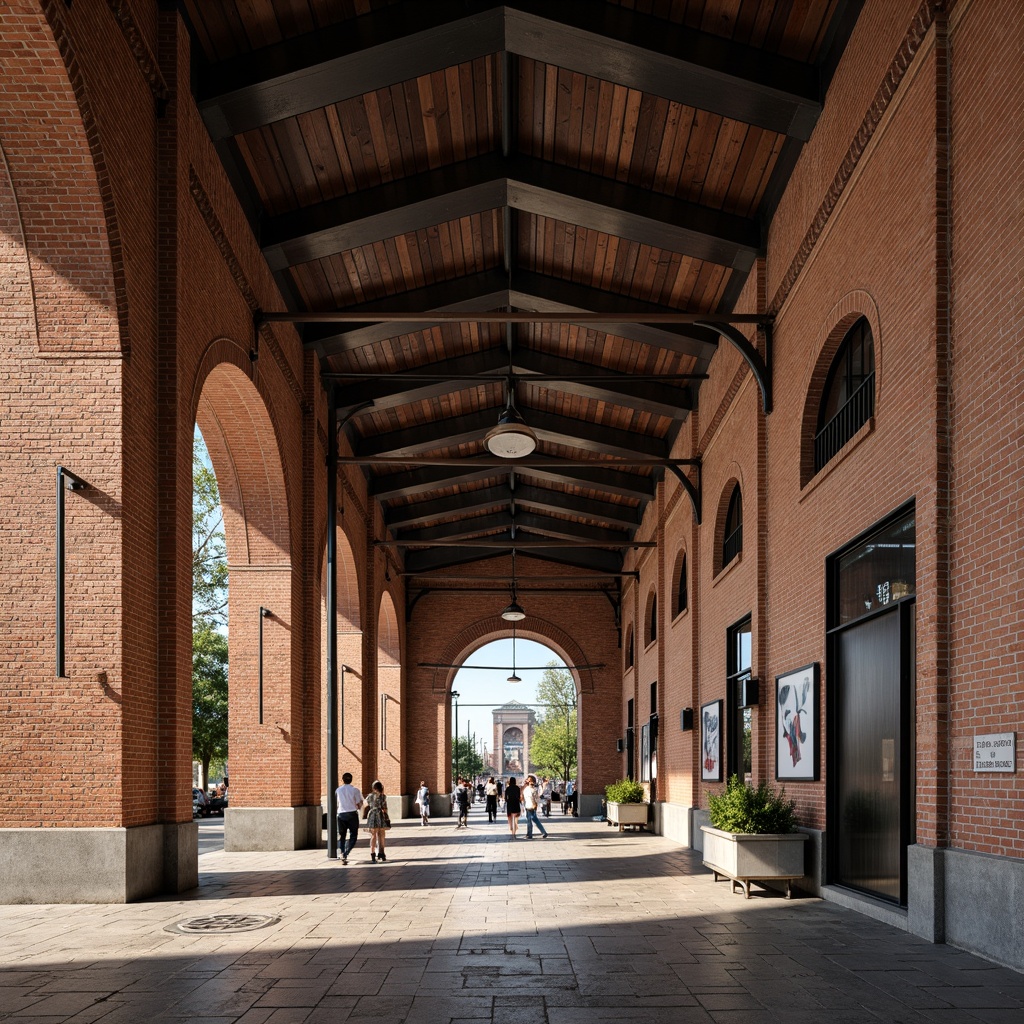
(221, 923)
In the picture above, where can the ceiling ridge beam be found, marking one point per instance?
(528, 184)
(390, 46)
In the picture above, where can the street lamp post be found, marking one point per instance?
(455, 744)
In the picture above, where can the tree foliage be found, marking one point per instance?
(553, 749)
(209, 697)
(209, 616)
(465, 760)
(209, 551)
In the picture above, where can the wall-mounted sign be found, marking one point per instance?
(995, 752)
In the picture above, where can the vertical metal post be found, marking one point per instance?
(332, 625)
(264, 613)
(455, 751)
(68, 481)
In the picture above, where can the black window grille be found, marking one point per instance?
(652, 619)
(733, 543)
(682, 597)
(849, 397)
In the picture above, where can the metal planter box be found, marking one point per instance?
(627, 814)
(746, 858)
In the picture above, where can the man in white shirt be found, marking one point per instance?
(349, 800)
(530, 807)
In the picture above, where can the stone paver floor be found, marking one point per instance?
(591, 925)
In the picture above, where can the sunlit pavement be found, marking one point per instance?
(587, 926)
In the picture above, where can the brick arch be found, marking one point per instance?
(53, 159)
(494, 627)
(843, 315)
(390, 704)
(651, 617)
(236, 424)
(680, 572)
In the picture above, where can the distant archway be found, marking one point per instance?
(390, 703)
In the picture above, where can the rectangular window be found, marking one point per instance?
(738, 720)
(645, 753)
(630, 741)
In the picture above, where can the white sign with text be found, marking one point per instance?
(995, 752)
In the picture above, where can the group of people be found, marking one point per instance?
(529, 799)
(375, 810)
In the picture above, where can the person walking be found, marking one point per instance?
(348, 800)
(462, 802)
(530, 796)
(546, 790)
(491, 791)
(378, 821)
(513, 806)
(423, 801)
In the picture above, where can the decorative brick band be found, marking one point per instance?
(141, 52)
(205, 207)
(890, 83)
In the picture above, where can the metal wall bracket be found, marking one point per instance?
(694, 491)
(761, 367)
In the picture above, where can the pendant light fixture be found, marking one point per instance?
(513, 678)
(510, 438)
(514, 612)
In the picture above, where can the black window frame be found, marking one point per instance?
(736, 716)
(732, 537)
(848, 397)
(682, 588)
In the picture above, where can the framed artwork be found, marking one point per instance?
(711, 741)
(796, 725)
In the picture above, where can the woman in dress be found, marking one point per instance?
(513, 806)
(377, 820)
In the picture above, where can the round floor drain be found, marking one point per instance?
(221, 923)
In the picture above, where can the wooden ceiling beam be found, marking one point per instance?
(405, 41)
(524, 522)
(619, 389)
(530, 291)
(549, 427)
(537, 187)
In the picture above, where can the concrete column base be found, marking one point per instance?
(264, 829)
(97, 865)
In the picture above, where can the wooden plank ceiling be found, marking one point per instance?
(610, 157)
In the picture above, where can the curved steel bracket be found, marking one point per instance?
(762, 367)
(694, 491)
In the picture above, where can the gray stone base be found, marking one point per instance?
(264, 829)
(926, 892)
(97, 865)
(982, 899)
(590, 805)
(673, 822)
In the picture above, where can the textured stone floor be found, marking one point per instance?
(588, 926)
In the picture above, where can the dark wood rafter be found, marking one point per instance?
(405, 41)
(532, 292)
(595, 559)
(523, 524)
(523, 496)
(520, 183)
(568, 376)
(549, 427)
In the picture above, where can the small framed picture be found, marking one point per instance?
(711, 741)
(796, 725)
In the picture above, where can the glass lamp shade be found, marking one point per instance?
(510, 438)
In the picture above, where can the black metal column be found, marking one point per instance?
(332, 624)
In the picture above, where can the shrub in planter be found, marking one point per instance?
(755, 810)
(624, 791)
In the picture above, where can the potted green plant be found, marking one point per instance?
(626, 803)
(752, 836)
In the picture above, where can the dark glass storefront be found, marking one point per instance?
(871, 672)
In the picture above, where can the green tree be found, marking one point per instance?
(469, 763)
(553, 746)
(209, 551)
(209, 697)
(209, 616)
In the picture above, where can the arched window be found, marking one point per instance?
(629, 647)
(732, 541)
(651, 621)
(681, 593)
(848, 400)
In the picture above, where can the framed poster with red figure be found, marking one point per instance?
(711, 741)
(796, 725)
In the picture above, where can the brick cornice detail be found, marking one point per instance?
(204, 205)
(143, 55)
(912, 41)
